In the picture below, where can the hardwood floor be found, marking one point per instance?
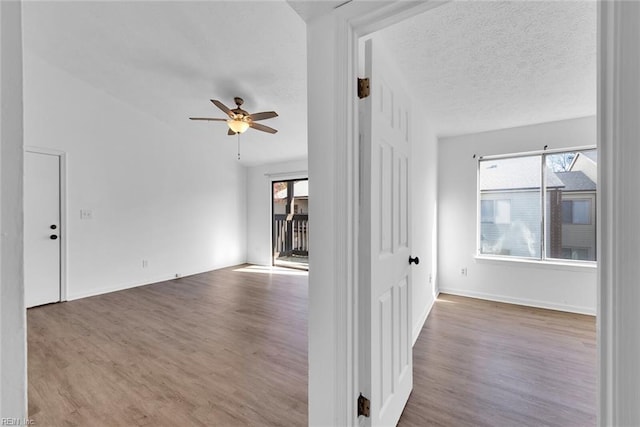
(223, 348)
(481, 363)
(229, 348)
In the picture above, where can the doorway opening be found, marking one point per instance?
(290, 223)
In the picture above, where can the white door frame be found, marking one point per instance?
(618, 210)
(333, 160)
(64, 235)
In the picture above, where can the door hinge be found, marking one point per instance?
(363, 87)
(364, 406)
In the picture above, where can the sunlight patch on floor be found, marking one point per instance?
(263, 269)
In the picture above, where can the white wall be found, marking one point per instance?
(329, 385)
(157, 192)
(551, 286)
(424, 193)
(259, 180)
(13, 342)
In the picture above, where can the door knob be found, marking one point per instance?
(53, 237)
(415, 260)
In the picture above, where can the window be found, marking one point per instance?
(538, 206)
(576, 211)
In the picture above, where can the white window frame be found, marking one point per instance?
(543, 250)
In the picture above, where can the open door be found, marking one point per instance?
(386, 360)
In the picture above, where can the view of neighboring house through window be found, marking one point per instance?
(496, 211)
(539, 206)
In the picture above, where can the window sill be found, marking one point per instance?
(553, 264)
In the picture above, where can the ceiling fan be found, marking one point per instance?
(239, 120)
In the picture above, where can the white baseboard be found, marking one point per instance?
(520, 301)
(71, 296)
(417, 328)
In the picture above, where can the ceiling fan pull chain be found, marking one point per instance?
(238, 146)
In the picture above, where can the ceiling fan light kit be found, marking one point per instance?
(239, 120)
(238, 125)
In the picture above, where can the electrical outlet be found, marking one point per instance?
(145, 263)
(86, 214)
(463, 271)
(430, 278)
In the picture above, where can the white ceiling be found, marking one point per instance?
(475, 66)
(310, 9)
(169, 58)
(485, 65)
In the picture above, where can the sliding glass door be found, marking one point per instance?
(290, 223)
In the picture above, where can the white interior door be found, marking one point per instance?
(385, 313)
(41, 228)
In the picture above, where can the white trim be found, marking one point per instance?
(607, 81)
(43, 150)
(537, 152)
(619, 208)
(331, 366)
(550, 263)
(126, 285)
(295, 176)
(64, 231)
(130, 285)
(417, 328)
(346, 231)
(280, 176)
(519, 301)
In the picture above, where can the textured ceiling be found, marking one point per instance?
(169, 58)
(475, 66)
(484, 65)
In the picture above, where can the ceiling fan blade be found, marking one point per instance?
(231, 132)
(263, 116)
(263, 128)
(208, 118)
(223, 107)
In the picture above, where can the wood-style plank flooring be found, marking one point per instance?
(229, 348)
(481, 363)
(224, 348)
